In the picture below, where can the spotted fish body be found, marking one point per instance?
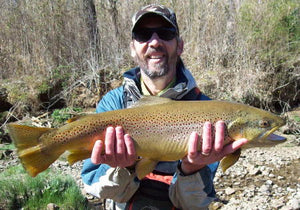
(159, 127)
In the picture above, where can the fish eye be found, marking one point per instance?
(264, 123)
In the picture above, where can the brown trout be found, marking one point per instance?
(159, 127)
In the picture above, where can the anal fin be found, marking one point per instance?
(77, 155)
(36, 159)
(144, 167)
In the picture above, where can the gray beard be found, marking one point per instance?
(163, 70)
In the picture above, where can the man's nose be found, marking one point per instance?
(154, 41)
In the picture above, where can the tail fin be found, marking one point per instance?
(33, 154)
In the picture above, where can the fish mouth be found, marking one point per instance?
(270, 136)
(274, 137)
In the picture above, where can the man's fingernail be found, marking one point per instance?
(205, 153)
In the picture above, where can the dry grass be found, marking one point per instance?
(242, 50)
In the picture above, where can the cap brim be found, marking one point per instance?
(145, 13)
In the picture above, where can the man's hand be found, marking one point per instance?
(119, 149)
(212, 149)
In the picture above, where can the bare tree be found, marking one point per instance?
(91, 22)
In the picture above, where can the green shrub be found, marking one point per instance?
(297, 119)
(19, 190)
(62, 115)
(272, 28)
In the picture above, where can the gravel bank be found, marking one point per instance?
(263, 178)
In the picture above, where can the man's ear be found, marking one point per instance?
(180, 46)
(132, 50)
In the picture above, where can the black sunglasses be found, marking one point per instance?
(144, 34)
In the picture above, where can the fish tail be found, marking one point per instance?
(32, 153)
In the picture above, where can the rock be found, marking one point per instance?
(236, 183)
(271, 176)
(297, 196)
(264, 189)
(52, 206)
(229, 191)
(292, 204)
(291, 190)
(216, 205)
(269, 182)
(279, 189)
(277, 204)
(254, 171)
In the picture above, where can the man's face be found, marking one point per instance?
(156, 57)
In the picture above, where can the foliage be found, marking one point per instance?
(3, 116)
(297, 119)
(19, 190)
(251, 52)
(7, 146)
(277, 33)
(270, 31)
(62, 115)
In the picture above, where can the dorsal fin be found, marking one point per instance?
(150, 100)
(73, 119)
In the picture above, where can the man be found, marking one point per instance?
(186, 184)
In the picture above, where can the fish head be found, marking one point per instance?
(257, 126)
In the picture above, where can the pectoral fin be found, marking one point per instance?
(144, 167)
(230, 160)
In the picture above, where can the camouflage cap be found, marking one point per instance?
(160, 10)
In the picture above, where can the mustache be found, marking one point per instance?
(154, 50)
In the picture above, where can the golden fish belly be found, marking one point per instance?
(163, 136)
